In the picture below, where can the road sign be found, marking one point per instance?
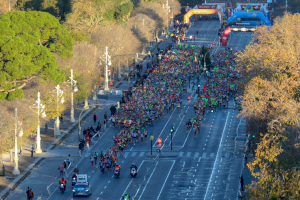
(158, 142)
(204, 69)
(158, 150)
(189, 99)
(108, 70)
(213, 44)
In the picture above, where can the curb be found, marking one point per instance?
(19, 179)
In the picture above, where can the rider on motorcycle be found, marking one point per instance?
(117, 167)
(63, 181)
(133, 166)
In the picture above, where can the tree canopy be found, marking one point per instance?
(28, 44)
(270, 104)
(38, 28)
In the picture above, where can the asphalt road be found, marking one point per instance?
(205, 167)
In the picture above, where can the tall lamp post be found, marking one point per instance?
(59, 98)
(40, 110)
(167, 7)
(16, 170)
(73, 89)
(107, 63)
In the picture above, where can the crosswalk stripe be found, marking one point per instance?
(212, 155)
(126, 154)
(188, 154)
(196, 154)
(133, 154)
(87, 155)
(181, 154)
(204, 155)
(142, 153)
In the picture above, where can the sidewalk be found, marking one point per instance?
(49, 141)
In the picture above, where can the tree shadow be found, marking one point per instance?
(57, 8)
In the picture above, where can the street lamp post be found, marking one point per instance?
(107, 62)
(59, 94)
(73, 89)
(40, 109)
(16, 170)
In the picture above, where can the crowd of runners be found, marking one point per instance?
(159, 90)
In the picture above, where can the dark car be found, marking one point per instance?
(82, 189)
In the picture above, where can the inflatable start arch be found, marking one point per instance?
(192, 12)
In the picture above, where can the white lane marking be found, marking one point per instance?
(126, 154)
(104, 187)
(212, 155)
(131, 148)
(180, 123)
(204, 155)
(181, 154)
(186, 138)
(196, 155)
(133, 154)
(101, 192)
(108, 181)
(216, 157)
(141, 154)
(188, 154)
(164, 127)
(147, 182)
(166, 180)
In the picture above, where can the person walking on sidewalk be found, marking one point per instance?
(149, 54)
(30, 194)
(27, 192)
(32, 150)
(242, 183)
(95, 118)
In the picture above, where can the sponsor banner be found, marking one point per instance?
(207, 6)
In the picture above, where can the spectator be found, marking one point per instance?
(95, 118)
(27, 192)
(32, 149)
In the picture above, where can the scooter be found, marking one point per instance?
(133, 172)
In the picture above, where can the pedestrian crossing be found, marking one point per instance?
(184, 154)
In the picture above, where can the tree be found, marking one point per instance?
(38, 28)
(7, 124)
(84, 65)
(270, 102)
(120, 40)
(20, 62)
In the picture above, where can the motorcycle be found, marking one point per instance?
(73, 182)
(133, 172)
(62, 187)
(117, 173)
